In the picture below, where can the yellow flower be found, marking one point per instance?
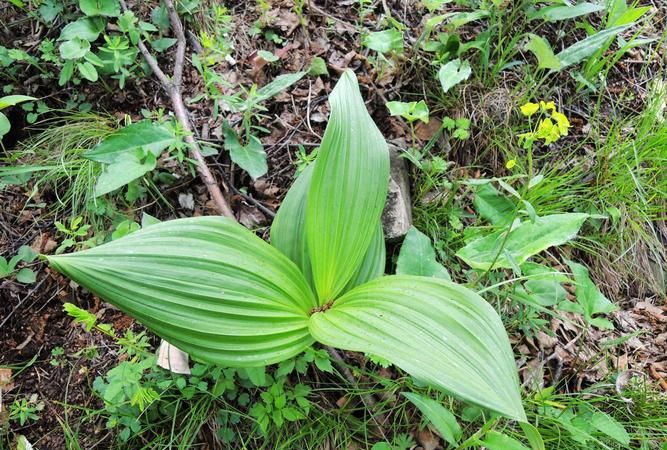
(561, 121)
(529, 109)
(548, 131)
(547, 106)
(510, 164)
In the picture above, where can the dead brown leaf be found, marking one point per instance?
(425, 131)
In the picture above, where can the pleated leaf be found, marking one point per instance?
(436, 330)
(374, 261)
(288, 230)
(347, 192)
(206, 285)
(288, 235)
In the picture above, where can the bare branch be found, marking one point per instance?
(177, 26)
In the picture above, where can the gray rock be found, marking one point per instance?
(397, 214)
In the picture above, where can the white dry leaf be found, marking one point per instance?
(173, 359)
(187, 201)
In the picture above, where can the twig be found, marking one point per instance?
(173, 88)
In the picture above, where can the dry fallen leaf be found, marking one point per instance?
(173, 359)
(425, 131)
(427, 439)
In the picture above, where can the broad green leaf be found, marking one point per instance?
(494, 440)
(544, 286)
(410, 111)
(278, 85)
(160, 45)
(492, 205)
(26, 276)
(381, 446)
(125, 169)
(22, 443)
(4, 268)
(441, 418)
(288, 230)
(586, 47)
(49, 10)
(26, 254)
(610, 426)
(433, 5)
(347, 192)
(267, 56)
(74, 48)
(207, 285)
(384, 41)
(524, 241)
(533, 436)
(459, 19)
(374, 261)
(629, 16)
(151, 137)
(11, 100)
(453, 73)
(86, 28)
(318, 66)
(564, 12)
(590, 301)
(417, 257)
(250, 157)
(437, 331)
(543, 52)
(108, 8)
(88, 71)
(288, 235)
(5, 125)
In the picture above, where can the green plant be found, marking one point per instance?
(25, 409)
(411, 112)
(73, 232)
(53, 159)
(227, 297)
(250, 155)
(459, 128)
(7, 268)
(594, 50)
(304, 159)
(58, 358)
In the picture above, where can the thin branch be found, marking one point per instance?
(177, 26)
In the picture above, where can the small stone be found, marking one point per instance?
(397, 214)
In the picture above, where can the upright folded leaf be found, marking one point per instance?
(347, 192)
(288, 230)
(288, 235)
(435, 330)
(205, 284)
(374, 261)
